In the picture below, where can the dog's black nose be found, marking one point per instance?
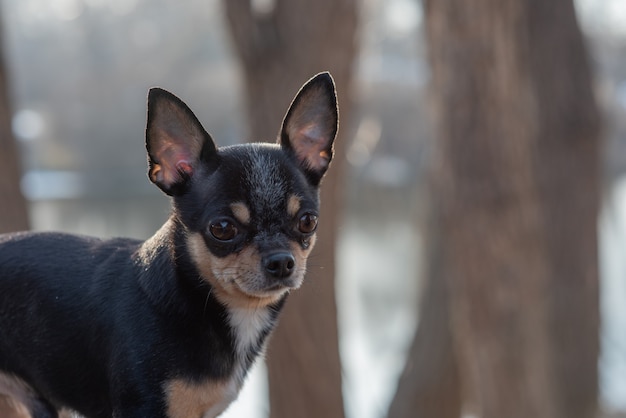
(279, 265)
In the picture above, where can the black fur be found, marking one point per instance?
(100, 326)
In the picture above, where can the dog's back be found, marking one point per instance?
(38, 294)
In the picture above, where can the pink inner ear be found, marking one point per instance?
(310, 151)
(185, 167)
(172, 160)
(312, 143)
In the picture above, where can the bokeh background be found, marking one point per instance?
(77, 73)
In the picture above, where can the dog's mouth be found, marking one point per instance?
(267, 289)
(247, 277)
(237, 294)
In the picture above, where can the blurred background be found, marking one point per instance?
(416, 83)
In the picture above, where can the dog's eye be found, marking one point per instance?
(223, 230)
(307, 223)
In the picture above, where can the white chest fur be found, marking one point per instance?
(210, 398)
(248, 324)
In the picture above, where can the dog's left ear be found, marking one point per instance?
(176, 142)
(310, 126)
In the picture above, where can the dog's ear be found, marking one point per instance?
(310, 126)
(176, 142)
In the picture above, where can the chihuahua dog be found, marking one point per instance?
(170, 326)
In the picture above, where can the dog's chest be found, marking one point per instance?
(250, 328)
(209, 398)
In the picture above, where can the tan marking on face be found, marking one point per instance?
(293, 205)
(241, 212)
(232, 276)
(301, 255)
(196, 400)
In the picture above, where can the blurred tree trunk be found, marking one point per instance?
(13, 212)
(517, 186)
(280, 48)
(429, 386)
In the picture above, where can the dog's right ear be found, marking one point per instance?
(176, 142)
(310, 126)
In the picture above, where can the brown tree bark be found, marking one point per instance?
(13, 211)
(517, 185)
(280, 49)
(429, 386)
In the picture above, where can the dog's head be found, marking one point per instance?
(249, 211)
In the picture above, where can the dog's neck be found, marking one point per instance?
(251, 328)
